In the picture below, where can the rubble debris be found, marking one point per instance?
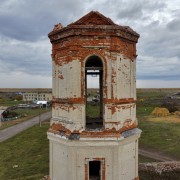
(160, 170)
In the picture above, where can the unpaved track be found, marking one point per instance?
(13, 130)
(155, 155)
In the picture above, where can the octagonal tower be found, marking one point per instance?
(104, 146)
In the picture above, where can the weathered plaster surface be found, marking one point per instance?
(71, 144)
(121, 157)
(119, 60)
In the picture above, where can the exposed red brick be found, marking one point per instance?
(97, 24)
(56, 128)
(128, 127)
(137, 178)
(119, 101)
(93, 34)
(69, 100)
(61, 76)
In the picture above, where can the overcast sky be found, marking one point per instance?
(25, 49)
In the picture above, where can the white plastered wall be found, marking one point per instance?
(123, 113)
(67, 84)
(72, 116)
(68, 158)
(68, 80)
(121, 83)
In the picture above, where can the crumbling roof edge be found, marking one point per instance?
(58, 28)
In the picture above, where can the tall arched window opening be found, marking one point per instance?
(94, 95)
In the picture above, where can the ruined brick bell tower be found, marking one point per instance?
(102, 146)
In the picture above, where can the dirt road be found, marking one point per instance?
(13, 130)
(155, 155)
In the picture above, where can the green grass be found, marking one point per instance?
(143, 159)
(93, 110)
(32, 112)
(158, 136)
(9, 102)
(144, 111)
(163, 137)
(29, 150)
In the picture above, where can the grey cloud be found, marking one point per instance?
(26, 57)
(174, 24)
(25, 24)
(29, 20)
(158, 68)
(133, 12)
(141, 10)
(161, 40)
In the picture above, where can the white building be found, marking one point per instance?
(33, 96)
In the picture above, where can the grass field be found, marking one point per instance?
(160, 136)
(9, 102)
(92, 110)
(143, 159)
(157, 136)
(26, 155)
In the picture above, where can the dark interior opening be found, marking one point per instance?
(94, 107)
(94, 170)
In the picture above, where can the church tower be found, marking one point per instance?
(93, 141)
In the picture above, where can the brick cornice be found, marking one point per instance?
(93, 30)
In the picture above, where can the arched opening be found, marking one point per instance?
(94, 97)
